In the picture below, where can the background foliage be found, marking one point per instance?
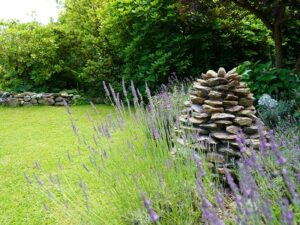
(144, 41)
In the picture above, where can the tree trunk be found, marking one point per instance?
(297, 66)
(278, 46)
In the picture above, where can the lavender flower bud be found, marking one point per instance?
(27, 178)
(67, 107)
(38, 180)
(124, 87)
(37, 165)
(106, 89)
(153, 215)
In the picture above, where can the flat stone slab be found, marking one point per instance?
(230, 103)
(216, 81)
(196, 99)
(209, 74)
(204, 89)
(201, 115)
(223, 122)
(210, 126)
(243, 121)
(194, 130)
(215, 157)
(223, 135)
(212, 109)
(246, 102)
(214, 103)
(246, 112)
(231, 97)
(202, 82)
(251, 130)
(242, 91)
(196, 121)
(229, 151)
(221, 88)
(234, 109)
(197, 108)
(222, 116)
(215, 95)
(207, 139)
(233, 129)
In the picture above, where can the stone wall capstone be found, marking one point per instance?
(220, 106)
(32, 99)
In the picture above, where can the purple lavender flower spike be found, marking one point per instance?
(59, 165)
(298, 177)
(151, 106)
(114, 96)
(107, 133)
(287, 216)
(168, 164)
(87, 202)
(51, 179)
(27, 178)
(45, 207)
(69, 156)
(240, 139)
(94, 108)
(38, 180)
(106, 89)
(231, 182)
(37, 165)
(104, 153)
(155, 133)
(280, 159)
(290, 185)
(263, 145)
(161, 180)
(199, 185)
(50, 195)
(67, 107)
(198, 161)
(74, 127)
(208, 213)
(134, 94)
(124, 87)
(153, 215)
(85, 167)
(140, 95)
(219, 198)
(58, 179)
(66, 204)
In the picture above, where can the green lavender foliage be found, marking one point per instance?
(130, 154)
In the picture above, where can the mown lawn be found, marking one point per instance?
(28, 134)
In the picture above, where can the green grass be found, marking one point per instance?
(135, 163)
(28, 134)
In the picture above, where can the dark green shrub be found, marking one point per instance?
(262, 78)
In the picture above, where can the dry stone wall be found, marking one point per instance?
(220, 106)
(32, 99)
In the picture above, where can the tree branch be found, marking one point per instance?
(246, 5)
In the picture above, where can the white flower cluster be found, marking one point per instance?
(267, 101)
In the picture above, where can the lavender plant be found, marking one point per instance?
(128, 155)
(131, 171)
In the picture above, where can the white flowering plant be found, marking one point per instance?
(272, 111)
(267, 101)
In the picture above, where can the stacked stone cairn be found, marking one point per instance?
(220, 106)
